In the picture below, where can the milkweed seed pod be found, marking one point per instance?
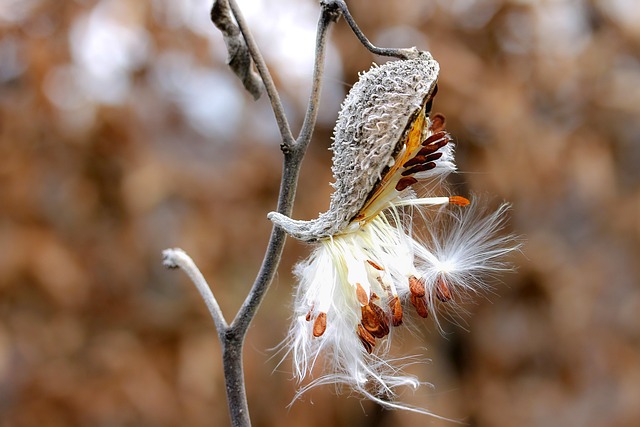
(372, 125)
(368, 267)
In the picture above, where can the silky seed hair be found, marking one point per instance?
(373, 122)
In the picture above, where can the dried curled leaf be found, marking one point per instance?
(239, 57)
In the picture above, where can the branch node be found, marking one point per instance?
(285, 147)
(332, 9)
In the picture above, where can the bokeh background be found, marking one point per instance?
(122, 133)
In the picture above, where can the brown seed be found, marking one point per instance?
(435, 137)
(367, 340)
(414, 161)
(416, 286)
(420, 304)
(374, 265)
(405, 182)
(433, 157)
(419, 159)
(320, 325)
(310, 313)
(438, 122)
(419, 168)
(431, 146)
(361, 294)
(396, 311)
(458, 200)
(443, 292)
(374, 320)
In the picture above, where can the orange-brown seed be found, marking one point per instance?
(458, 200)
(416, 286)
(361, 294)
(443, 292)
(396, 311)
(374, 320)
(420, 304)
(320, 325)
(367, 340)
(405, 182)
(374, 265)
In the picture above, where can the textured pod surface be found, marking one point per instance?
(374, 118)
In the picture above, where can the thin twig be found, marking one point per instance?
(288, 186)
(330, 13)
(410, 53)
(261, 66)
(177, 258)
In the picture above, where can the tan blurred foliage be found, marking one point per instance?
(122, 133)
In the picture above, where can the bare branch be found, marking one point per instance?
(289, 181)
(330, 14)
(408, 53)
(177, 258)
(272, 257)
(239, 56)
(261, 66)
(233, 366)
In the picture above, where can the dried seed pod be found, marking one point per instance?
(373, 122)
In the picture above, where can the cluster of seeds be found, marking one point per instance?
(412, 160)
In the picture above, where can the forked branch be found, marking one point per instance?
(243, 56)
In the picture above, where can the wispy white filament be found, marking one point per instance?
(461, 247)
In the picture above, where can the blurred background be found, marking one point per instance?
(122, 133)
